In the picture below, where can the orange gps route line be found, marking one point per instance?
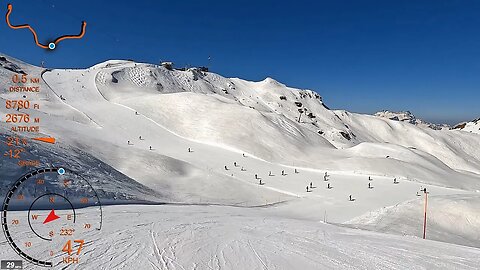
(35, 36)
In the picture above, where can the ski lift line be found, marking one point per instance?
(35, 36)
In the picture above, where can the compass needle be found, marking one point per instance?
(51, 217)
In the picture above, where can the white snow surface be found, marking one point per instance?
(94, 112)
(452, 217)
(214, 237)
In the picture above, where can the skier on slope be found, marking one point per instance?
(311, 185)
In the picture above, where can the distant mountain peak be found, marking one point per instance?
(403, 116)
(409, 117)
(472, 126)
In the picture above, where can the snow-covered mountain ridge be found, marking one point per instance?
(296, 122)
(472, 126)
(266, 119)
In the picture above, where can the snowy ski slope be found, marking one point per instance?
(200, 237)
(112, 113)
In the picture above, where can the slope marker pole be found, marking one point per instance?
(425, 214)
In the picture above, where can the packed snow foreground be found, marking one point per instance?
(250, 175)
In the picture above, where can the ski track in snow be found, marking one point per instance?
(218, 237)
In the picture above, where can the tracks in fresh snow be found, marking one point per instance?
(70, 106)
(194, 237)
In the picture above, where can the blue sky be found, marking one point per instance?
(362, 56)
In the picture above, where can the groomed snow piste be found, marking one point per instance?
(198, 139)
